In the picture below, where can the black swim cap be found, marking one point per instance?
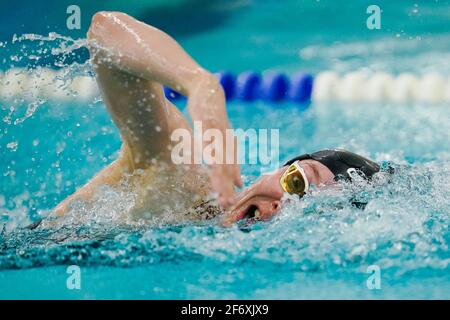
(342, 163)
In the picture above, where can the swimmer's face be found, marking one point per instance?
(260, 201)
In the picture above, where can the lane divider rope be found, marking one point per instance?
(271, 86)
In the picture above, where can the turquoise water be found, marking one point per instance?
(317, 248)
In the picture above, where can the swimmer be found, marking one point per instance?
(132, 62)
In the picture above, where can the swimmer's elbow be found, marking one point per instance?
(101, 22)
(98, 21)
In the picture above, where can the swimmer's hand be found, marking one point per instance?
(223, 180)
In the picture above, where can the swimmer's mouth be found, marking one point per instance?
(251, 213)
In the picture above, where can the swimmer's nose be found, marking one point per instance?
(276, 205)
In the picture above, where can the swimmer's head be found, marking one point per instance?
(262, 200)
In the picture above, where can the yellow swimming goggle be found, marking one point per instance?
(294, 181)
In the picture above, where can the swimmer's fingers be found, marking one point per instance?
(235, 169)
(237, 179)
(225, 190)
(223, 180)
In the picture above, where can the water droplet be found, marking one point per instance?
(13, 145)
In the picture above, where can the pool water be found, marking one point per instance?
(319, 247)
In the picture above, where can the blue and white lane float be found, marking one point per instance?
(270, 86)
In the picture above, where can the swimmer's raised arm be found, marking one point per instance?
(123, 43)
(132, 61)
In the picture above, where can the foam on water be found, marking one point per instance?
(405, 226)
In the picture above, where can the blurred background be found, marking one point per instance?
(263, 34)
